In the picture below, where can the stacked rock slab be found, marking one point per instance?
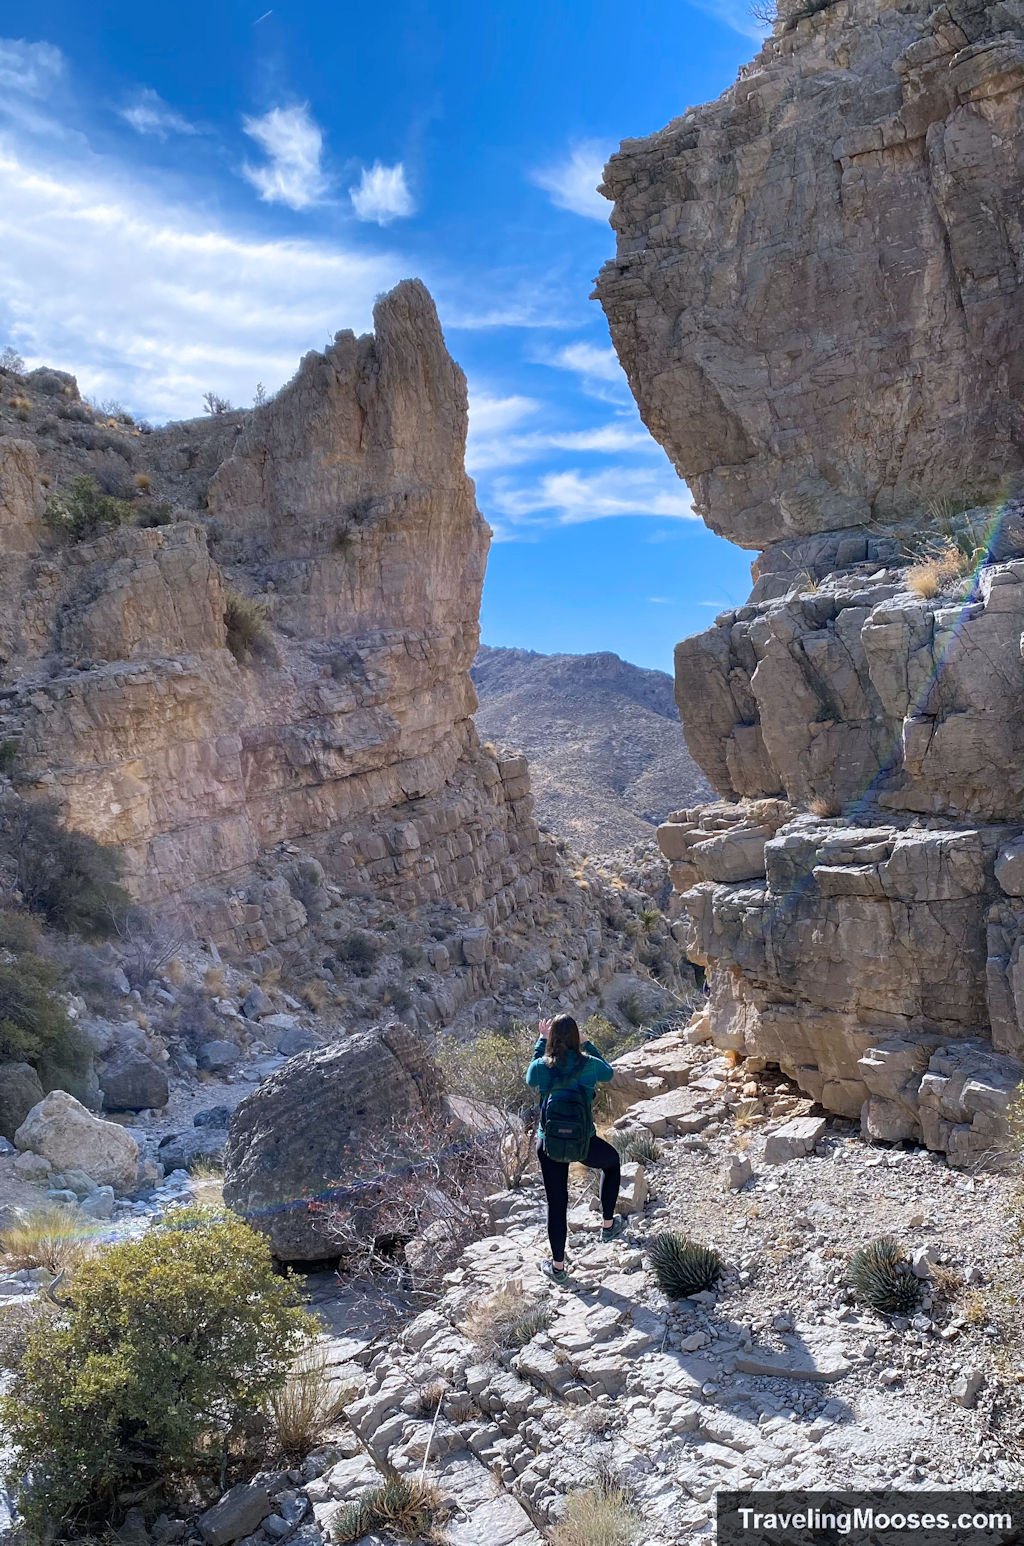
(341, 507)
(816, 297)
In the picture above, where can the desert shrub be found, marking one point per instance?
(246, 624)
(682, 1267)
(491, 1072)
(939, 571)
(17, 1320)
(633, 1007)
(358, 951)
(151, 1370)
(143, 482)
(82, 510)
(602, 1515)
(402, 1506)
(411, 955)
(881, 1276)
(19, 931)
(505, 1320)
(51, 1237)
(148, 943)
(11, 360)
(8, 753)
(34, 1023)
(306, 1404)
(156, 512)
(636, 1146)
(63, 875)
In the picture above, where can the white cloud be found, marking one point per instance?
(492, 415)
(590, 360)
(737, 14)
(382, 194)
(151, 304)
(660, 601)
(571, 182)
(294, 146)
(497, 449)
(567, 498)
(31, 69)
(150, 114)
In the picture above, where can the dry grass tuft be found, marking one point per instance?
(505, 1320)
(939, 572)
(309, 1401)
(246, 623)
(52, 1238)
(143, 482)
(207, 1181)
(821, 807)
(597, 1516)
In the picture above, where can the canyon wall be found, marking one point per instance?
(818, 297)
(339, 730)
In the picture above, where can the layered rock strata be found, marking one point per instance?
(340, 731)
(816, 297)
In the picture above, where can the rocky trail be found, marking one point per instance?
(779, 1378)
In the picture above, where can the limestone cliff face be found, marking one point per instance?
(819, 299)
(816, 294)
(343, 509)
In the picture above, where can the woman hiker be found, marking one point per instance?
(564, 1073)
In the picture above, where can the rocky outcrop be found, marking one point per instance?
(258, 769)
(299, 1135)
(816, 289)
(816, 298)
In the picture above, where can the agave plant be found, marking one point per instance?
(683, 1267)
(881, 1276)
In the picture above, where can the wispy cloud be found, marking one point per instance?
(150, 114)
(153, 305)
(293, 144)
(737, 14)
(568, 498)
(488, 451)
(598, 368)
(660, 601)
(30, 69)
(571, 181)
(382, 194)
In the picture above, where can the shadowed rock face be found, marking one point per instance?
(816, 292)
(817, 299)
(341, 507)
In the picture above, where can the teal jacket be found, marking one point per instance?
(593, 1070)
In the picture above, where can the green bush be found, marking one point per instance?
(246, 624)
(150, 1374)
(492, 1068)
(34, 1024)
(82, 510)
(357, 951)
(63, 875)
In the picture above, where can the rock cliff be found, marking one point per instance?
(817, 297)
(243, 660)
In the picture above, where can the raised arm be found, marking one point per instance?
(597, 1070)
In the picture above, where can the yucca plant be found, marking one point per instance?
(636, 1146)
(682, 1266)
(403, 1506)
(881, 1276)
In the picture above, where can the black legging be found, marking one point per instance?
(600, 1156)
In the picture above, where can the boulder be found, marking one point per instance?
(296, 1135)
(133, 1082)
(215, 1057)
(239, 1512)
(20, 1090)
(63, 1132)
(213, 1116)
(180, 1151)
(296, 1040)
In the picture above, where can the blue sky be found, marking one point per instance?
(195, 195)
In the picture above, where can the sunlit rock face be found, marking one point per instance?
(817, 297)
(343, 509)
(816, 289)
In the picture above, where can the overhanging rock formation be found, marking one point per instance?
(818, 297)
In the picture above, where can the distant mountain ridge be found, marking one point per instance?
(607, 755)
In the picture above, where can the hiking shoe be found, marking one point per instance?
(615, 1229)
(556, 1274)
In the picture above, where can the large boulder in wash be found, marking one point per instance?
(63, 1132)
(298, 1136)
